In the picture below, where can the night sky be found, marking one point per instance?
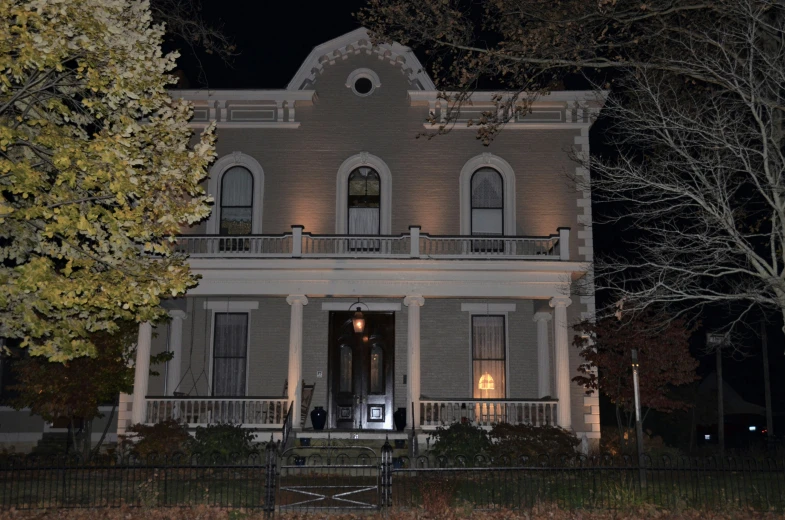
(273, 38)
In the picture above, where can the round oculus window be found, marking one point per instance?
(363, 86)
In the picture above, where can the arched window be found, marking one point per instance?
(364, 202)
(487, 202)
(236, 212)
(230, 172)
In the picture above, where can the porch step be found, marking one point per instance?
(309, 443)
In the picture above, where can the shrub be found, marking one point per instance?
(522, 440)
(460, 439)
(224, 440)
(163, 439)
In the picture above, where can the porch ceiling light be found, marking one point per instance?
(486, 382)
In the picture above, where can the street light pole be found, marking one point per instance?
(718, 341)
(638, 423)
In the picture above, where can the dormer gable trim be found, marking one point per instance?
(353, 43)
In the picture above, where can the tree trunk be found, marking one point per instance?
(621, 430)
(106, 428)
(764, 345)
(72, 436)
(87, 438)
(720, 405)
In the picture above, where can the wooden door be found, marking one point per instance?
(361, 371)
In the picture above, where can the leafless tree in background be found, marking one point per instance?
(185, 24)
(697, 114)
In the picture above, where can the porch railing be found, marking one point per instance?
(487, 412)
(414, 244)
(267, 412)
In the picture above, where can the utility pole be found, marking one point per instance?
(720, 405)
(764, 343)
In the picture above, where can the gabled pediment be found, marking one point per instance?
(356, 42)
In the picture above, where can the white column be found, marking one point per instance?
(141, 372)
(562, 360)
(543, 355)
(176, 348)
(413, 359)
(294, 381)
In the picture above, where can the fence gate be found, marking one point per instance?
(319, 478)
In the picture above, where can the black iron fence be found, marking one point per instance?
(333, 478)
(592, 483)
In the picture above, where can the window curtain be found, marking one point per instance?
(488, 357)
(487, 202)
(363, 221)
(236, 201)
(229, 354)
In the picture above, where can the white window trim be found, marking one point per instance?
(214, 188)
(212, 344)
(494, 309)
(231, 305)
(487, 160)
(363, 73)
(342, 191)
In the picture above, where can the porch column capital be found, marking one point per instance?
(414, 300)
(177, 314)
(542, 316)
(297, 298)
(560, 301)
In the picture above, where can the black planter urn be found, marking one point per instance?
(318, 417)
(399, 418)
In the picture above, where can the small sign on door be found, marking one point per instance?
(318, 374)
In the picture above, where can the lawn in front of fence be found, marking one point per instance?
(614, 488)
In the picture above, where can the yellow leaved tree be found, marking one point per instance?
(97, 172)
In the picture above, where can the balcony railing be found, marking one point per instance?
(414, 244)
(264, 412)
(487, 412)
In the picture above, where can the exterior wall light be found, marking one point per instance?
(358, 320)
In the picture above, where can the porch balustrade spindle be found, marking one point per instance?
(414, 244)
(487, 412)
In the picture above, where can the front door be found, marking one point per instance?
(361, 371)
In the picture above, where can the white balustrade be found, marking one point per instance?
(484, 412)
(248, 411)
(241, 246)
(412, 245)
(502, 247)
(354, 246)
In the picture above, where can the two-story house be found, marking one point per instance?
(353, 265)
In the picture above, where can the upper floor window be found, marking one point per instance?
(487, 197)
(237, 185)
(364, 202)
(487, 202)
(236, 202)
